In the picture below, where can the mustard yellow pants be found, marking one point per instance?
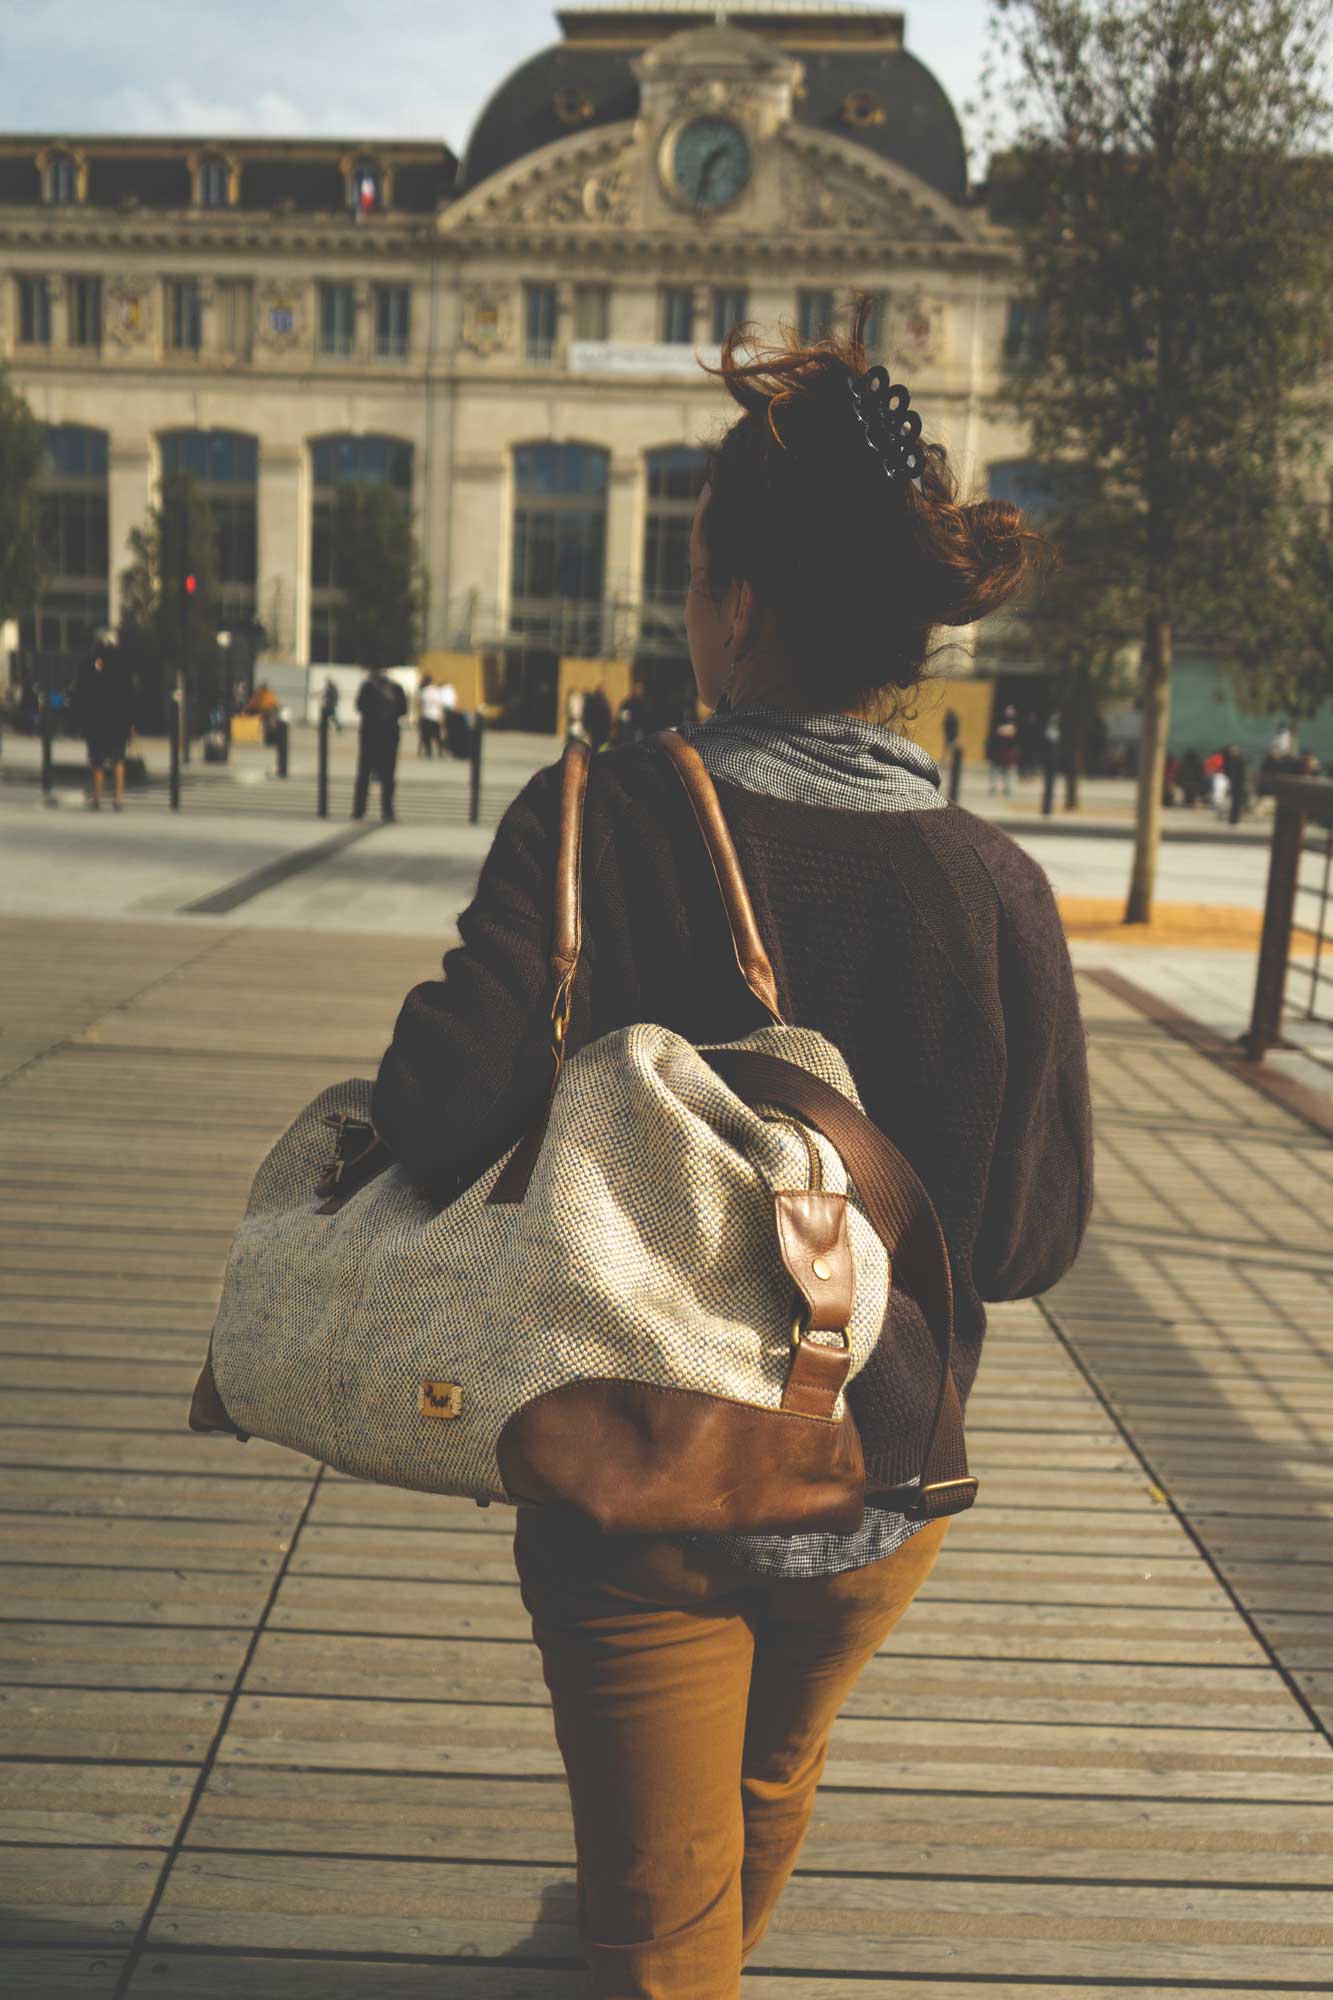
(693, 1705)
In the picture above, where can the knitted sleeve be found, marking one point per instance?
(470, 1058)
(1039, 1188)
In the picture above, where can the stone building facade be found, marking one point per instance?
(508, 340)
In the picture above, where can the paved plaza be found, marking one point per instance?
(270, 1731)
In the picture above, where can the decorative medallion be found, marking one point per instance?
(485, 327)
(572, 107)
(280, 316)
(861, 109)
(918, 329)
(129, 311)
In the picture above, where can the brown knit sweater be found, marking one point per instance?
(925, 945)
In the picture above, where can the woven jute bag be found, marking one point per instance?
(648, 1309)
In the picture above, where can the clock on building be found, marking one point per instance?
(710, 162)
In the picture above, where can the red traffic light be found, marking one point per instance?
(191, 585)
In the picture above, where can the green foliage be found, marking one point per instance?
(1283, 639)
(1174, 223)
(22, 449)
(1177, 248)
(378, 569)
(162, 628)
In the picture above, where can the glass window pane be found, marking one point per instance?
(731, 307)
(816, 315)
(677, 314)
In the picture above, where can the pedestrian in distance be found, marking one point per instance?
(1002, 752)
(1237, 773)
(328, 704)
(597, 717)
(694, 1679)
(1191, 776)
(104, 713)
(381, 704)
(430, 717)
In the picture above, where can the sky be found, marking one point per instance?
(347, 68)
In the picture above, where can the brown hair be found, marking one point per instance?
(856, 569)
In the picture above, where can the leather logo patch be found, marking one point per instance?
(440, 1399)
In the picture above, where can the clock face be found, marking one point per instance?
(711, 162)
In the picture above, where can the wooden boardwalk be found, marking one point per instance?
(269, 1731)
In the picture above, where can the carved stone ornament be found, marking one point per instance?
(820, 195)
(280, 316)
(130, 313)
(918, 328)
(598, 192)
(486, 319)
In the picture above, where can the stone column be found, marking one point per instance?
(282, 591)
(129, 492)
(624, 552)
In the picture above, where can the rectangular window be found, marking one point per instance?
(214, 184)
(1023, 331)
(393, 309)
(677, 315)
(815, 315)
(235, 317)
(539, 310)
(184, 321)
(592, 312)
(85, 312)
(337, 319)
(731, 308)
(34, 313)
(877, 325)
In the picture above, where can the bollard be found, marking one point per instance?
(322, 797)
(1048, 785)
(177, 697)
(474, 787)
(46, 736)
(280, 734)
(956, 774)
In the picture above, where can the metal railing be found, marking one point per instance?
(1300, 892)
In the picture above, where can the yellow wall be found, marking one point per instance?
(463, 669)
(970, 701)
(612, 676)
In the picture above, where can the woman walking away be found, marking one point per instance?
(695, 1680)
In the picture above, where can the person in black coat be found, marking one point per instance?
(381, 704)
(104, 713)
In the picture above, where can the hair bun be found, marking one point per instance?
(987, 561)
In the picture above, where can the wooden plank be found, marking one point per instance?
(92, 1804)
(107, 1723)
(60, 1973)
(77, 1895)
(203, 1656)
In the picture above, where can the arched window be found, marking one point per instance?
(62, 179)
(225, 467)
(337, 461)
(73, 515)
(214, 181)
(675, 476)
(558, 575)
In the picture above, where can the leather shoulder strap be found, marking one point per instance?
(751, 957)
(567, 933)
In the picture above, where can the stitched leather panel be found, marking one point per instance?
(643, 1460)
(813, 1226)
(816, 1379)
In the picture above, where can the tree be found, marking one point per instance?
(163, 627)
(22, 450)
(378, 569)
(1176, 242)
(1283, 638)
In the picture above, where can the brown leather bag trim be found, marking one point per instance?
(640, 1459)
(816, 1379)
(812, 1226)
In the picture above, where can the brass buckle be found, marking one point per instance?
(914, 1509)
(799, 1331)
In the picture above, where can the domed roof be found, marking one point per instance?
(882, 99)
